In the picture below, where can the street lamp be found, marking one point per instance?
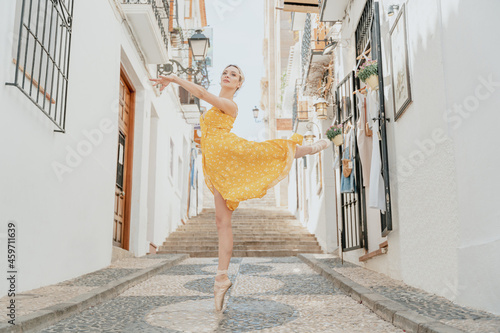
(309, 135)
(199, 44)
(255, 112)
(330, 47)
(392, 9)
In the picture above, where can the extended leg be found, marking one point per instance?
(302, 151)
(312, 149)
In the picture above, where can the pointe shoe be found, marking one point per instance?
(220, 289)
(320, 145)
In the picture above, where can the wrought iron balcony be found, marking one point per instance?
(149, 22)
(294, 108)
(306, 45)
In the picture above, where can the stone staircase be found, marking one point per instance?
(259, 230)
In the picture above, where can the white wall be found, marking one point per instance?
(472, 96)
(445, 237)
(65, 219)
(321, 220)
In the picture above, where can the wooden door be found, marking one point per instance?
(123, 187)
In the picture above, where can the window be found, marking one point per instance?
(41, 55)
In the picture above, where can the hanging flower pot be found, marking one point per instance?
(334, 133)
(338, 140)
(368, 73)
(372, 82)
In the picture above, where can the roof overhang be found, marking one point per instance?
(332, 10)
(147, 32)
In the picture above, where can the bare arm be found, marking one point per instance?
(223, 104)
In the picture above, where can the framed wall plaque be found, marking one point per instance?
(400, 71)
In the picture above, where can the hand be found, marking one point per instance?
(163, 81)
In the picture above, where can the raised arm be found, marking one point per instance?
(223, 104)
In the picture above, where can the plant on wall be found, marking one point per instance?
(334, 133)
(368, 73)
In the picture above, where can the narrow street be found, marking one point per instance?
(268, 295)
(343, 137)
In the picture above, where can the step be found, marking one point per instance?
(241, 232)
(236, 247)
(247, 253)
(257, 232)
(245, 223)
(204, 237)
(246, 242)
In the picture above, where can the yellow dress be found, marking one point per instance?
(241, 169)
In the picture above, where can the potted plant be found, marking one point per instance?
(175, 37)
(368, 73)
(334, 133)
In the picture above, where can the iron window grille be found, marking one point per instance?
(42, 53)
(363, 28)
(295, 105)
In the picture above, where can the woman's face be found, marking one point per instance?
(230, 78)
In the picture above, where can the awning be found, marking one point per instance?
(302, 6)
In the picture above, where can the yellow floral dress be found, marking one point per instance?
(238, 168)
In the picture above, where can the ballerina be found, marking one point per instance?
(236, 169)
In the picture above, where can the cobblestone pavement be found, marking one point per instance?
(36, 299)
(427, 304)
(268, 295)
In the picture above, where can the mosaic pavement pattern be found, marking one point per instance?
(33, 300)
(268, 295)
(427, 304)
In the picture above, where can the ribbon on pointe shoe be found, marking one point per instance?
(220, 289)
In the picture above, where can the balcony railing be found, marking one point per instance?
(295, 106)
(306, 44)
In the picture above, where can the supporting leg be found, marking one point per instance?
(223, 221)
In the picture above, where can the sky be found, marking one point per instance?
(238, 34)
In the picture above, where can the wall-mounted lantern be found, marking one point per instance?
(320, 107)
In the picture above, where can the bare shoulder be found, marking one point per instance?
(232, 111)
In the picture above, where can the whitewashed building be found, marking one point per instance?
(94, 158)
(433, 222)
(308, 185)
